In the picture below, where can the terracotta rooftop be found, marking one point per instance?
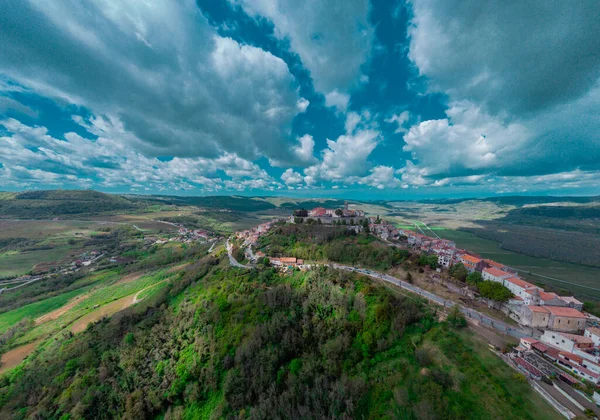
(571, 299)
(520, 282)
(568, 312)
(528, 366)
(571, 356)
(471, 259)
(529, 340)
(579, 339)
(539, 309)
(495, 272)
(494, 264)
(548, 295)
(594, 330)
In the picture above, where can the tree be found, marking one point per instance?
(266, 262)
(431, 260)
(409, 277)
(494, 291)
(459, 272)
(365, 224)
(377, 220)
(456, 318)
(339, 212)
(474, 278)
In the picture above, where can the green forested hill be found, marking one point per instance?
(224, 343)
(61, 203)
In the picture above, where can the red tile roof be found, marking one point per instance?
(470, 258)
(495, 272)
(494, 264)
(519, 282)
(571, 299)
(594, 330)
(566, 312)
(539, 346)
(539, 309)
(529, 340)
(528, 366)
(571, 356)
(548, 295)
(579, 339)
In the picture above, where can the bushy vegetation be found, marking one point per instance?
(333, 243)
(224, 344)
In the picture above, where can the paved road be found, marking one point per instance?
(471, 313)
(232, 260)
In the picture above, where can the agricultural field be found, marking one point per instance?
(579, 279)
(36, 246)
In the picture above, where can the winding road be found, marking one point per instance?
(470, 313)
(232, 260)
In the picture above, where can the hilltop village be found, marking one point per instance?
(554, 328)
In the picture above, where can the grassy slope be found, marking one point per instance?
(224, 311)
(36, 309)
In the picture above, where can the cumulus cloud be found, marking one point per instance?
(337, 100)
(30, 157)
(332, 37)
(157, 67)
(523, 58)
(381, 177)
(469, 140)
(290, 177)
(346, 158)
(524, 97)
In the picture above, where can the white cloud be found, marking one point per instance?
(157, 67)
(29, 156)
(302, 104)
(524, 98)
(338, 100)
(332, 37)
(381, 177)
(399, 120)
(290, 177)
(347, 157)
(469, 140)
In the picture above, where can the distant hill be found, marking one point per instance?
(234, 203)
(518, 200)
(60, 203)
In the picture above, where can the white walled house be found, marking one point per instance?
(494, 274)
(565, 341)
(594, 334)
(520, 288)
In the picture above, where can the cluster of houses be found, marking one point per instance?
(189, 235)
(251, 236)
(577, 353)
(330, 216)
(86, 259)
(564, 334)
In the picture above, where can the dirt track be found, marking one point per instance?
(14, 357)
(105, 310)
(58, 312)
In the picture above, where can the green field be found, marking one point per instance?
(16, 263)
(99, 296)
(34, 310)
(575, 275)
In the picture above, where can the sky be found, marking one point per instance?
(355, 98)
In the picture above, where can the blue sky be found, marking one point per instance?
(356, 98)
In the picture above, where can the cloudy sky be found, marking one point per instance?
(353, 98)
